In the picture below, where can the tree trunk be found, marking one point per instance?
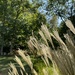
(1, 50)
(11, 46)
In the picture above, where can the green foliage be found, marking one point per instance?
(62, 8)
(18, 18)
(39, 65)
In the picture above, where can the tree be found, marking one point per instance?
(17, 20)
(62, 8)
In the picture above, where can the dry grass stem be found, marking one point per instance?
(19, 62)
(45, 30)
(21, 72)
(70, 26)
(34, 42)
(43, 37)
(27, 60)
(14, 70)
(45, 72)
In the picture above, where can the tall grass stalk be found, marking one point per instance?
(63, 58)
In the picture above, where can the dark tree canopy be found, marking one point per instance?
(18, 18)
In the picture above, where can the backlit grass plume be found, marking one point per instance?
(62, 57)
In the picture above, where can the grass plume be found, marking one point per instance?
(63, 58)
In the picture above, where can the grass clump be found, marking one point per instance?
(62, 58)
